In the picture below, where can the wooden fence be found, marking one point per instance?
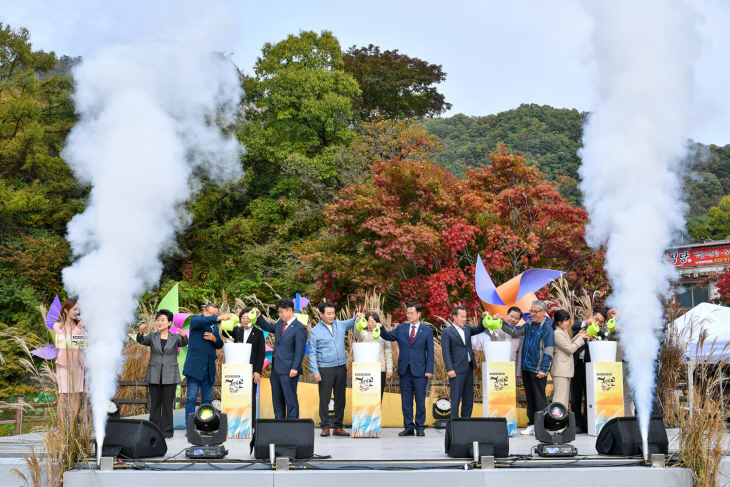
(19, 407)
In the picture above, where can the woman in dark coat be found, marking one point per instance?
(163, 372)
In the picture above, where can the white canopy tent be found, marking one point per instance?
(716, 321)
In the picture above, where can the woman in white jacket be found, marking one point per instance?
(565, 345)
(386, 352)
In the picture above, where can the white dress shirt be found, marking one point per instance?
(460, 330)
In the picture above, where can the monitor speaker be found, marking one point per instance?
(622, 436)
(491, 433)
(293, 438)
(133, 438)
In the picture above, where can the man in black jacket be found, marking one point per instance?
(245, 332)
(460, 362)
(580, 358)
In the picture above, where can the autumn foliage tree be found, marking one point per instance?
(413, 232)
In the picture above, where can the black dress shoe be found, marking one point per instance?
(420, 433)
(407, 433)
(579, 430)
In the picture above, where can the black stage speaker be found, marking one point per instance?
(491, 433)
(293, 438)
(622, 436)
(133, 438)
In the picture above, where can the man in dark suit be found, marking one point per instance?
(578, 400)
(415, 366)
(291, 341)
(199, 366)
(245, 332)
(460, 362)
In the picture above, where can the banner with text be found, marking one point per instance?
(605, 391)
(499, 393)
(366, 399)
(236, 392)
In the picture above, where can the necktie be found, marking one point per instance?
(413, 332)
(282, 332)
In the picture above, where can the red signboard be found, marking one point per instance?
(698, 256)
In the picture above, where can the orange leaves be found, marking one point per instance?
(413, 231)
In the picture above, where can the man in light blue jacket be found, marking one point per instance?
(328, 363)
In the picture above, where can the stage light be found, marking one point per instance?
(556, 417)
(217, 404)
(112, 409)
(207, 418)
(441, 412)
(554, 429)
(207, 428)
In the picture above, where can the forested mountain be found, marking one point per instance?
(549, 138)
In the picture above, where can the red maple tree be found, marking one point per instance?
(413, 232)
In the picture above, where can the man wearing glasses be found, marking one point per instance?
(537, 353)
(415, 366)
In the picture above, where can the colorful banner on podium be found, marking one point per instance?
(499, 393)
(366, 399)
(605, 391)
(236, 391)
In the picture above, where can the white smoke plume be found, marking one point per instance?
(146, 130)
(634, 142)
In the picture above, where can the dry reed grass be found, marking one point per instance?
(579, 306)
(702, 419)
(68, 438)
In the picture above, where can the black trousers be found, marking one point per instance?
(461, 390)
(333, 379)
(578, 395)
(535, 393)
(161, 398)
(382, 386)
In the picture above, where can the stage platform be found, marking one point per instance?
(390, 459)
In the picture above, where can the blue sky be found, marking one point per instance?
(498, 54)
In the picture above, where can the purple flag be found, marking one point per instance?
(48, 352)
(53, 313)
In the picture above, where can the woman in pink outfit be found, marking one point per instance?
(70, 360)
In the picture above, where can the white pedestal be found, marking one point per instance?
(604, 394)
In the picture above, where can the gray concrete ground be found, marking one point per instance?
(424, 463)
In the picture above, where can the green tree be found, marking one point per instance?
(303, 98)
(716, 225)
(36, 186)
(395, 86)
(299, 112)
(546, 137)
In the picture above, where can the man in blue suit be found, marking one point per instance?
(415, 366)
(286, 367)
(460, 362)
(199, 366)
